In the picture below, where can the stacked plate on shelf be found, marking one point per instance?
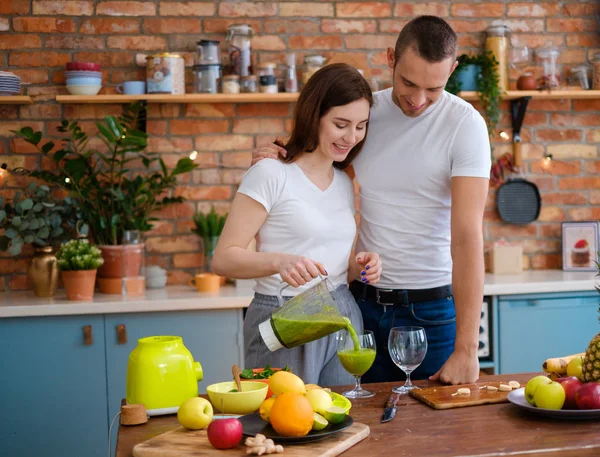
(10, 84)
(83, 78)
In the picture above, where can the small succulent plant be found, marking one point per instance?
(79, 254)
(34, 217)
(210, 224)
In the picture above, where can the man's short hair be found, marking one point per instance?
(430, 36)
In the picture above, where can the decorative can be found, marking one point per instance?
(165, 74)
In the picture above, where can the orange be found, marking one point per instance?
(284, 381)
(292, 415)
(265, 409)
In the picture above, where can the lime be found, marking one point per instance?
(320, 422)
(341, 401)
(335, 414)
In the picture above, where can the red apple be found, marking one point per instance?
(588, 396)
(225, 433)
(571, 384)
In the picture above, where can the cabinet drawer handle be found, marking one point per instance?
(121, 334)
(88, 338)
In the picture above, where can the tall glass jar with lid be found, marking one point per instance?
(497, 41)
(239, 48)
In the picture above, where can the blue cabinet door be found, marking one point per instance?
(214, 337)
(53, 387)
(533, 329)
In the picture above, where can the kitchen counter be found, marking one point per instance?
(418, 430)
(178, 298)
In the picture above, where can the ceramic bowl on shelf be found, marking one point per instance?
(84, 89)
(84, 81)
(85, 66)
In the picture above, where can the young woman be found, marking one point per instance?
(301, 211)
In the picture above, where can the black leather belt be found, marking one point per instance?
(399, 296)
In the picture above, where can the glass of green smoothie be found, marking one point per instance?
(407, 347)
(357, 354)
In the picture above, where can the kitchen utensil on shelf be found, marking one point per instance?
(161, 374)
(391, 406)
(518, 201)
(306, 317)
(235, 370)
(407, 347)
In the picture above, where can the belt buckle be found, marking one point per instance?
(377, 298)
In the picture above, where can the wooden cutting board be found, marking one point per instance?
(194, 443)
(441, 397)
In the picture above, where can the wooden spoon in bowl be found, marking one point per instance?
(236, 375)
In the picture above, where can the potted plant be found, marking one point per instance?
(479, 72)
(209, 227)
(119, 189)
(35, 217)
(78, 261)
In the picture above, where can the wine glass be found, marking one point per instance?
(407, 347)
(356, 360)
(518, 56)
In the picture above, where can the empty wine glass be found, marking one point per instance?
(356, 360)
(518, 56)
(407, 347)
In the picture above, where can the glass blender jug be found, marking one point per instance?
(239, 48)
(306, 317)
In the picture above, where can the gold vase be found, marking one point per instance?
(43, 272)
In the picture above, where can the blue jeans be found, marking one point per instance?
(437, 317)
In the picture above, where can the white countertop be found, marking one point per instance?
(180, 298)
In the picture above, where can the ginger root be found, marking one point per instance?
(260, 445)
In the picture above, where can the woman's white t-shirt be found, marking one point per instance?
(303, 219)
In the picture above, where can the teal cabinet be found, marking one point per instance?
(214, 338)
(53, 387)
(534, 328)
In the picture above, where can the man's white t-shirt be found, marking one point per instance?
(303, 219)
(404, 172)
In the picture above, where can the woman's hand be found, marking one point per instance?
(298, 270)
(269, 151)
(370, 264)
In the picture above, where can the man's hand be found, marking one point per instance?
(270, 151)
(298, 270)
(460, 368)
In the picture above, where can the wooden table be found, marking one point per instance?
(476, 431)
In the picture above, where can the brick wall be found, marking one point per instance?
(38, 37)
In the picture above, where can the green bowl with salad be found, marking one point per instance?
(261, 375)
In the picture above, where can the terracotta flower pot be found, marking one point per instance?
(79, 284)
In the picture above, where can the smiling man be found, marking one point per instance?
(423, 177)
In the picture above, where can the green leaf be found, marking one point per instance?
(2, 215)
(106, 133)
(4, 243)
(27, 204)
(34, 224)
(37, 137)
(10, 233)
(16, 221)
(32, 186)
(43, 233)
(59, 155)
(46, 148)
(28, 238)
(115, 128)
(15, 249)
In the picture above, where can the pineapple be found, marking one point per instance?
(591, 360)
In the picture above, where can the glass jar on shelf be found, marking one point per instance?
(497, 41)
(547, 57)
(580, 76)
(266, 77)
(231, 84)
(207, 79)
(249, 84)
(312, 64)
(239, 38)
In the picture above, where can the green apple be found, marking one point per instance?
(574, 368)
(195, 413)
(532, 386)
(550, 396)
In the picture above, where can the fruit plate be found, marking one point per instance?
(517, 397)
(253, 424)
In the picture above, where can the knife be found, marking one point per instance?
(390, 409)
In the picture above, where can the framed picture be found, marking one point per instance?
(580, 244)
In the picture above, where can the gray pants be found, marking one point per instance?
(315, 362)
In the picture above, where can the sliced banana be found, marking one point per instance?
(514, 384)
(462, 391)
(492, 389)
(505, 388)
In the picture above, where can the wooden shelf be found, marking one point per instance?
(15, 100)
(290, 98)
(541, 95)
(185, 98)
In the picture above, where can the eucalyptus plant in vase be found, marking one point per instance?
(35, 217)
(120, 188)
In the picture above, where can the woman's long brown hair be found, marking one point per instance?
(333, 85)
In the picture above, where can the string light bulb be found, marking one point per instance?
(504, 135)
(193, 155)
